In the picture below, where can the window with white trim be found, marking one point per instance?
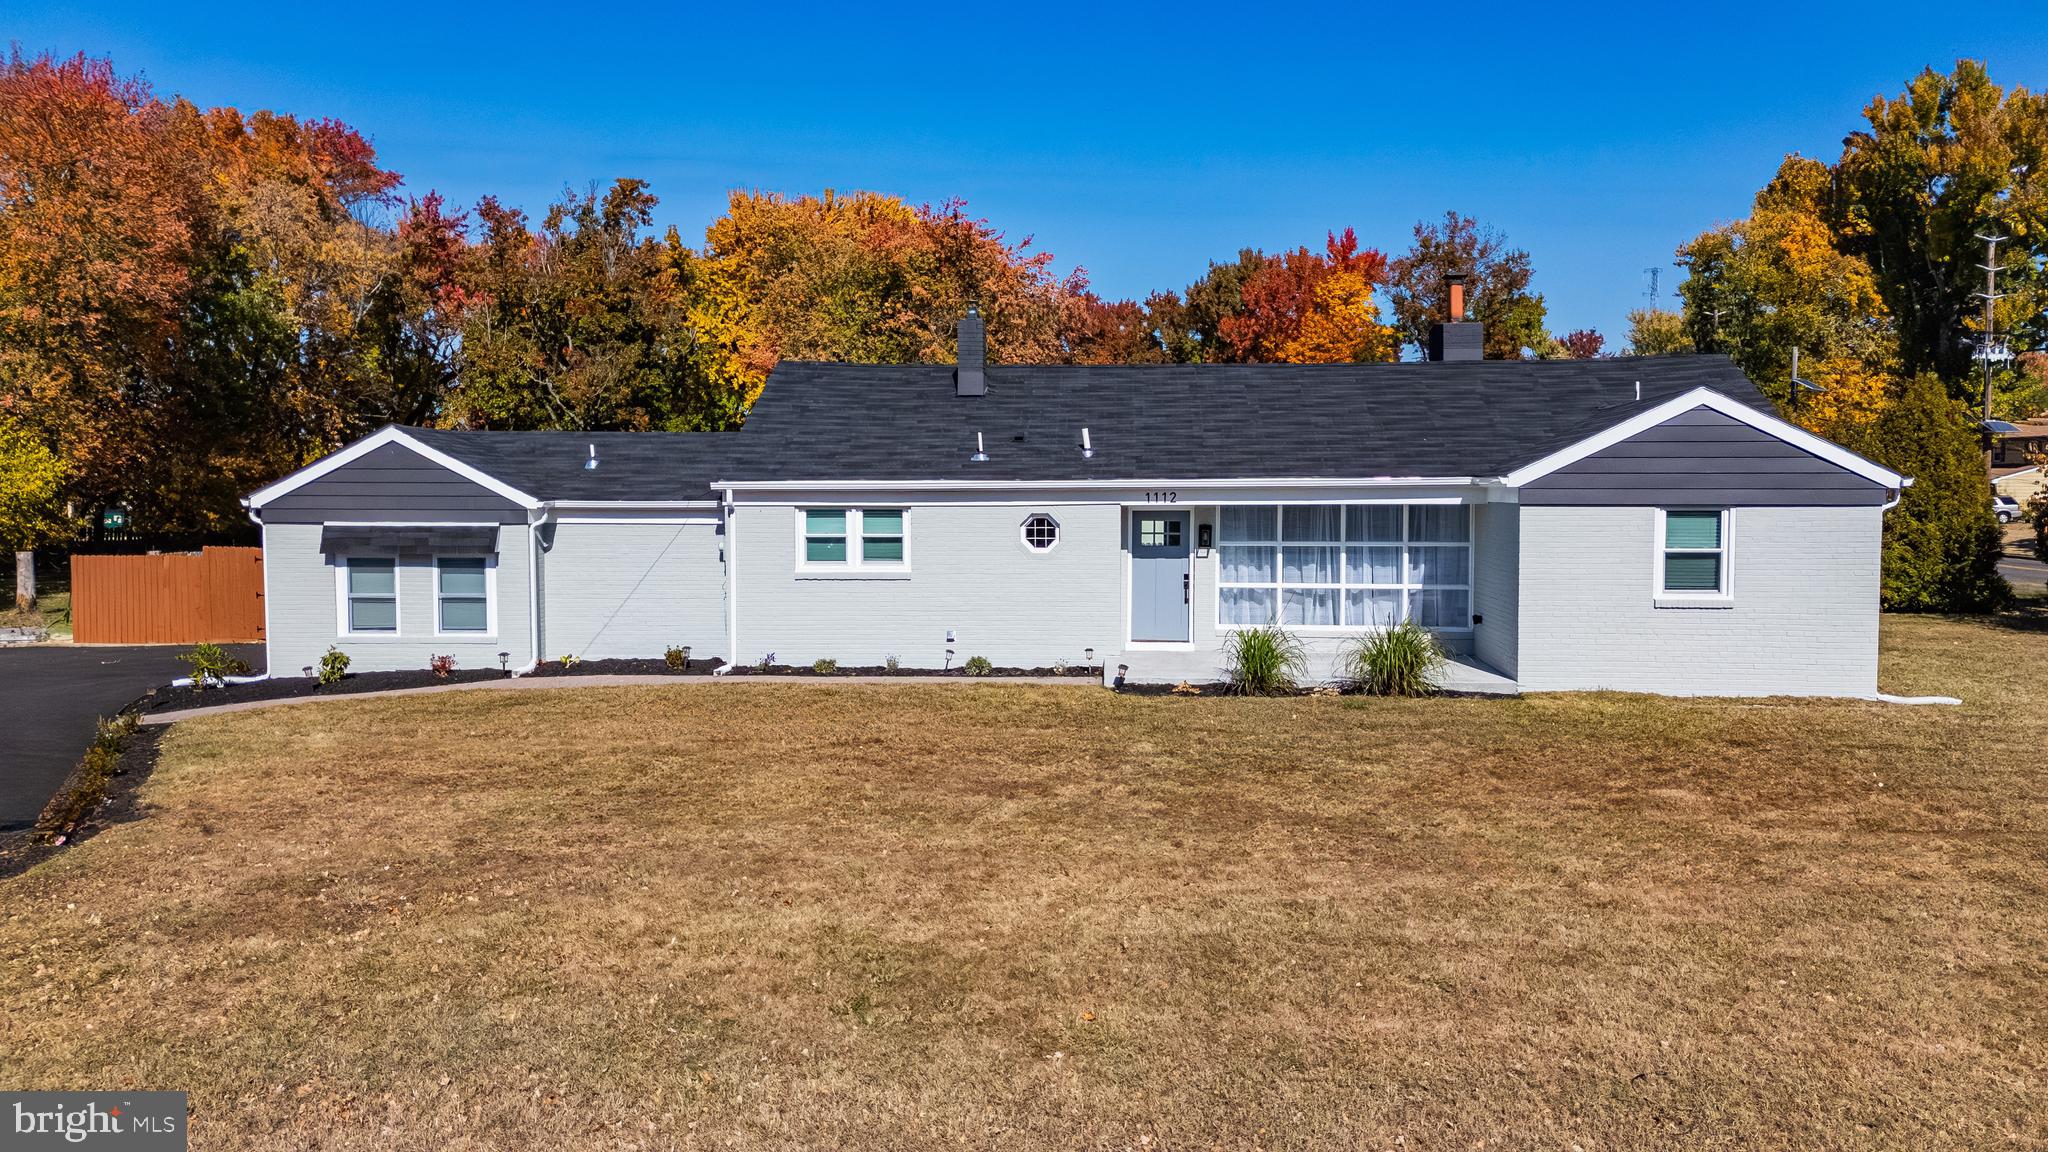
(1041, 532)
(1693, 552)
(1345, 566)
(371, 584)
(870, 538)
(462, 594)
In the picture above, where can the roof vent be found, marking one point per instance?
(968, 379)
(980, 454)
(592, 462)
(1457, 338)
(1087, 448)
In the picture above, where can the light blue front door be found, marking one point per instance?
(1160, 584)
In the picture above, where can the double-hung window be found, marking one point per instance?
(370, 594)
(1345, 566)
(873, 540)
(1692, 555)
(462, 592)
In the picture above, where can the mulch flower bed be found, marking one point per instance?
(168, 698)
(650, 667)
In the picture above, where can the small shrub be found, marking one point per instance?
(441, 666)
(977, 666)
(891, 663)
(1404, 660)
(1264, 661)
(83, 793)
(571, 660)
(767, 661)
(211, 665)
(333, 666)
(1059, 667)
(2037, 511)
(825, 666)
(677, 659)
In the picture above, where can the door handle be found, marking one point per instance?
(1186, 597)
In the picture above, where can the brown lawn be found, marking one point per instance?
(767, 916)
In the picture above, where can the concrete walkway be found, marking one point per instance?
(520, 683)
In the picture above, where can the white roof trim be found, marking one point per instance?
(1769, 425)
(1092, 485)
(630, 505)
(391, 434)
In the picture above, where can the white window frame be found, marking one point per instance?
(1723, 597)
(1406, 587)
(490, 631)
(1024, 533)
(856, 565)
(341, 598)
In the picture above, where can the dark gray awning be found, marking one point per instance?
(409, 538)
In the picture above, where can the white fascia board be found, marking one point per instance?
(632, 505)
(1086, 485)
(1769, 425)
(390, 434)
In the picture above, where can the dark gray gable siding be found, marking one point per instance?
(392, 483)
(1705, 458)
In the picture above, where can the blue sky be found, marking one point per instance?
(1139, 142)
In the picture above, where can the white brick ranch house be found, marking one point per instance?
(1637, 524)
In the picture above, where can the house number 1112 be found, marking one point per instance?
(1162, 497)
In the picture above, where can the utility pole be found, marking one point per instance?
(1989, 349)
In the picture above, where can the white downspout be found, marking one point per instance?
(535, 517)
(732, 587)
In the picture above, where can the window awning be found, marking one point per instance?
(410, 538)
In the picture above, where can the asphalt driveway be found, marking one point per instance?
(50, 696)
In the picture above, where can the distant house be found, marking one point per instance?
(2017, 445)
(1637, 524)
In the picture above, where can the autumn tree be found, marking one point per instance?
(869, 279)
(1497, 285)
(1656, 332)
(1760, 287)
(1579, 344)
(588, 323)
(31, 502)
(1948, 159)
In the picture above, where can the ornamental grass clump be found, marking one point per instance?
(1404, 660)
(1264, 661)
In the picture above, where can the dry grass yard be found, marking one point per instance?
(787, 916)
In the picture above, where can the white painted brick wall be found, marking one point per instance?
(304, 612)
(1804, 620)
(1496, 596)
(632, 590)
(970, 571)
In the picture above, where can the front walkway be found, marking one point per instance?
(530, 682)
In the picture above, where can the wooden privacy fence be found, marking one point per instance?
(185, 598)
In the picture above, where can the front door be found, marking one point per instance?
(1160, 576)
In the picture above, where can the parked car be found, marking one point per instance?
(2005, 508)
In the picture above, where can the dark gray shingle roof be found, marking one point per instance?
(1147, 422)
(630, 465)
(1202, 422)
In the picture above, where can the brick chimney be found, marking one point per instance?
(968, 379)
(1457, 338)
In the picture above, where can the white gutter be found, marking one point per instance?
(1091, 485)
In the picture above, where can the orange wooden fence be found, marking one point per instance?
(189, 598)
